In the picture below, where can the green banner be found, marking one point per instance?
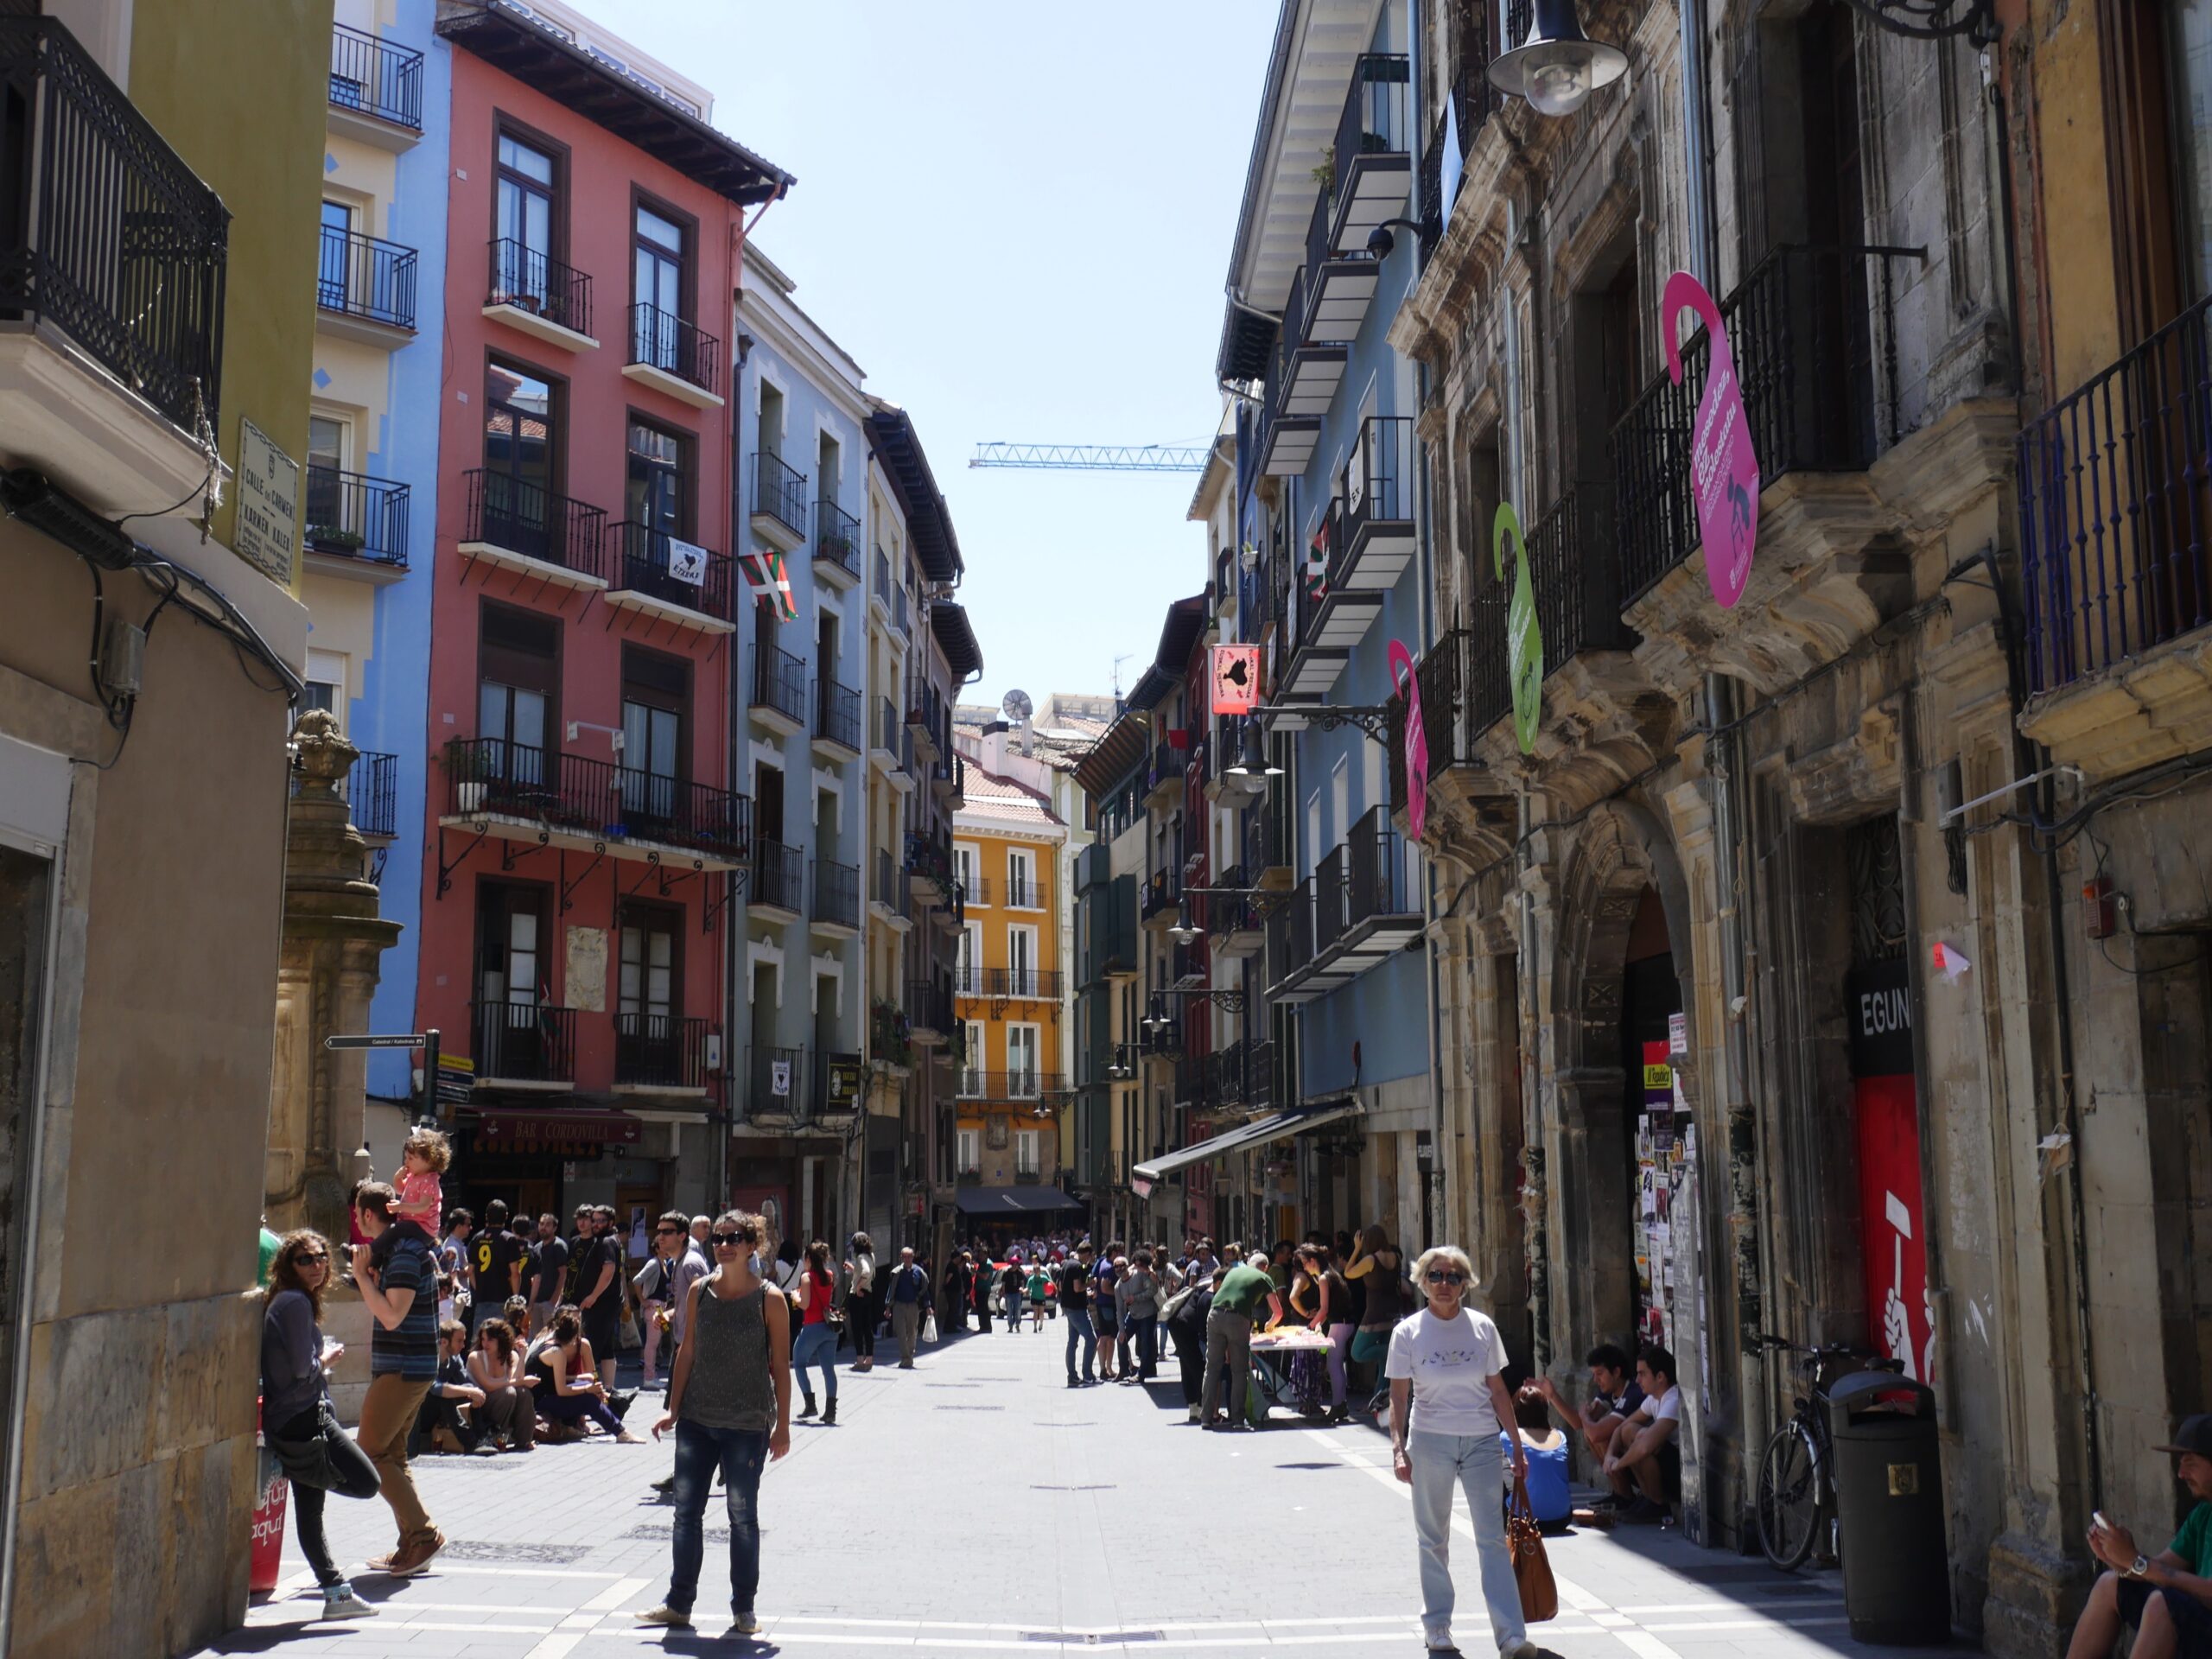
(1524, 640)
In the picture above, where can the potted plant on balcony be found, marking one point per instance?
(471, 771)
(334, 538)
(891, 1041)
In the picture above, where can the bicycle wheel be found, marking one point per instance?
(1789, 1496)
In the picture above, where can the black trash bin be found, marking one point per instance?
(1889, 1482)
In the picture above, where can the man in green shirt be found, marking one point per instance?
(1238, 1292)
(2167, 1597)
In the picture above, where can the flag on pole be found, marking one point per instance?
(1316, 574)
(772, 584)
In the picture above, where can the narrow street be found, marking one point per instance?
(1027, 1519)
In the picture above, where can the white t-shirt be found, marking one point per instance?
(1450, 1363)
(1667, 1408)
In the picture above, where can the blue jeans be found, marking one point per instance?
(816, 1345)
(1079, 1327)
(741, 1454)
(1473, 1461)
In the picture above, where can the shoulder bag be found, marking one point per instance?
(307, 1462)
(1532, 1568)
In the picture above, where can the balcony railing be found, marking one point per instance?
(1803, 328)
(837, 714)
(836, 894)
(2114, 516)
(931, 859)
(1573, 563)
(1023, 984)
(891, 733)
(778, 877)
(660, 1051)
(779, 492)
(1378, 875)
(661, 340)
(524, 1042)
(929, 1005)
(967, 980)
(491, 775)
(1017, 1084)
(652, 562)
(837, 537)
(532, 280)
(1377, 116)
(375, 77)
(1165, 766)
(1453, 716)
(775, 1083)
(1376, 485)
(889, 888)
(107, 234)
(365, 277)
(1163, 892)
(353, 516)
(370, 789)
(508, 512)
(778, 682)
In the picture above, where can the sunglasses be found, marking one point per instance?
(1447, 1278)
(731, 1241)
(307, 1257)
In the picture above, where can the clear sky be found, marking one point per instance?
(1016, 218)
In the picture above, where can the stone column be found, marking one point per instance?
(334, 939)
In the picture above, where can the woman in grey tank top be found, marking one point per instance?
(729, 1401)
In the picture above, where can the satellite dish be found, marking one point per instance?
(1017, 705)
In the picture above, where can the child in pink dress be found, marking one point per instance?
(424, 1158)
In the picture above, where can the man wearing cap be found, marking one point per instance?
(2167, 1597)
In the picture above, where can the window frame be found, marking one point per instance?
(505, 126)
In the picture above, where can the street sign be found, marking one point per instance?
(397, 1039)
(456, 1079)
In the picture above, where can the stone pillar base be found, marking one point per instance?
(2034, 1596)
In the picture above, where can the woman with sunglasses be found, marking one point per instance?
(1448, 1401)
(729, 1401)
(317, 1455)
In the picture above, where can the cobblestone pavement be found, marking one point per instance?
(975, 1505)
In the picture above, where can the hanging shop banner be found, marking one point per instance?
(1524, 639)
(1235, 675)
(1416, 737)
(1724, 469)
(1893, 1222)
(779, 1078)
(687, 562)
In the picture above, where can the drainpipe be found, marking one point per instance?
(1538, 1207)
(1744, 1168)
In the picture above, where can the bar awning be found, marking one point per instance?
(1277, 1126)
(1013, 1201)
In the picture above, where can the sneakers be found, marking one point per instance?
(1439, 1640)
(485, 1448)
(747, 1623)
(339, 1601)
(410, 1559)
(1193, 1415)
(669, 1618)
(1524, 1649)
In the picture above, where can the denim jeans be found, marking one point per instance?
(1079, 1327)
(740, 1454)
(1474, 1462)
(816, 1345)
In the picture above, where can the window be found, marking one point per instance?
(658, 292)
(964, 870)
(1021, 1062)
(978, 1057)
(1021, 960)
(331, 284)
(647, 983)
(968, 970)
(1025, 1154)
(325, 684)
(656, 701)
(518, 673)
(1022, 880)
(520, 454)
(523, 224)
(656, 496)
(2190, 51)
(971, 1153)
(325, 491)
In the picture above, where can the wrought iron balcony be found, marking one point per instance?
(779, 683)
(376, 78)
(365, 278)
(929, 1009)
(2114, 518)
(889, 888)
(1574, 564)
(353, 516)
(524, 1042)
(1163, 892)
(837, 538)
(1017, 1085)
(1453, 717)
(779, 878)
(1023, 984)
(661, 340)
(930, 863)
(660, 1051)
(534, 283)
(509, 514)
(778, 492)
(490, 776)
(1802, 328)
(892, 739)
(109, 236)
(836, 894)
(370, 789)
(837, 715)
(1371, 164)
(775, 1085)
(1374, 523)
(650, 562)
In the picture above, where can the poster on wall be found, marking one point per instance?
(1724, 468)
(1892, 1217)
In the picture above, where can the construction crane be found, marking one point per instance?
(1095, 457)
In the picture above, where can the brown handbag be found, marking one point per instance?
(1532, 1568)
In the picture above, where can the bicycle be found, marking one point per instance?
(1796, 1487)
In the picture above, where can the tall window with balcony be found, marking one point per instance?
(657, 334)
(648, 997)
(1022, 880)
(526, 250)
(968, 964)
(1021, 961)
(1021, 1050)
(518, 1033)
(656, 708)
(977, 1060)
(518, 695)
(521, 427)
(965, 870)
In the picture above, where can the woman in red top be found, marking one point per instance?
(814, 1294)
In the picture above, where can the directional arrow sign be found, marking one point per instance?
(399, 1039)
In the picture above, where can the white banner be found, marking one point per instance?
(687, 562)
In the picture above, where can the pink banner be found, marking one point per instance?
(1416, 740)
(1724, 470)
